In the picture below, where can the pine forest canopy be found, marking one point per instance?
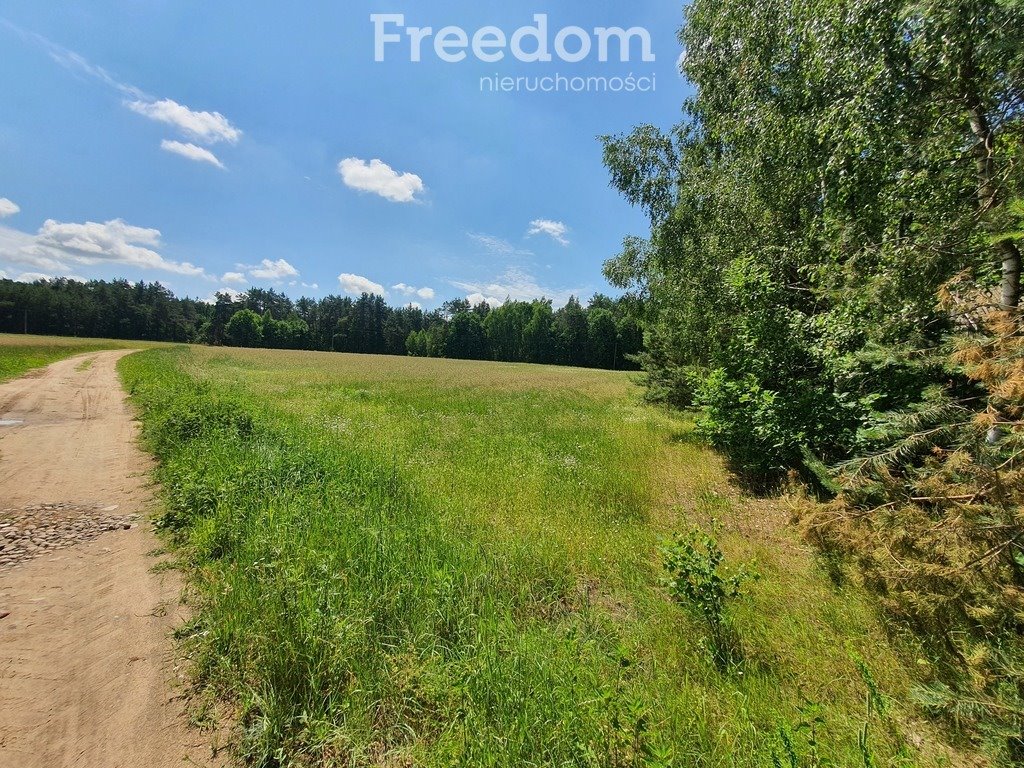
(605, 334)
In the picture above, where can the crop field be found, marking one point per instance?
(398, 561)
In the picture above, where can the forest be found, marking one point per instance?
(607, 333)
(832, 276)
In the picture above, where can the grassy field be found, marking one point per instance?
(22, 353)
(428, 562)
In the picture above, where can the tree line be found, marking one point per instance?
(832, 276)
(607, 333)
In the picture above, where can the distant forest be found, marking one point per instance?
(607, 333)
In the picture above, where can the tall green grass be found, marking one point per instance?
(437, 566)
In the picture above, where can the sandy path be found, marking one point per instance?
(86, 676)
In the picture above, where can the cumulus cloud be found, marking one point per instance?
(479, 298)
(556, 230)
(17, 247)
(234, 277)
(207, 127)
(381, 179)
(409, 290)
(8, 208)
(61, 249)
(114, 241)
(231, 292)
(515, 284)
(191, 152)
(273, 270)
(31, 277)
(356, 285)
(58, 245)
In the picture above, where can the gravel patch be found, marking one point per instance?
(35, 530)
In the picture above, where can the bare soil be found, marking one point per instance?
(87, 672)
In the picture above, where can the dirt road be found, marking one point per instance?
(86, 673)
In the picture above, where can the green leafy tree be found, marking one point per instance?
(538, 337)
(631, 341)
(837, 164)
(466, 339)
(571, 333)
(505, 326)
(602, 338)
(244, 329)
(417, 344)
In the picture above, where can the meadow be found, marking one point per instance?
(398, 561)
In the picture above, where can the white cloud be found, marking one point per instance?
(273, 270)
(409, 290)
(357, 285)
(74, 62)
(555, 229)
(380, 179)
(207, 127)
(19, 247)
(31, 277)
(234, 277)
(113, 241)
(497, 246)
(58, 246)
(8, 208)
(235, 295)
(191, 152)
(59, 249)
(479, 298)
(515, 284)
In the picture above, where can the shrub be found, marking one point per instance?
(695, 578)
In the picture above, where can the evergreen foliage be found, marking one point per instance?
(607, 334)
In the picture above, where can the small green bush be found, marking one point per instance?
(696, 579)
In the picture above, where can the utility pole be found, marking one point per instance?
(26, 322)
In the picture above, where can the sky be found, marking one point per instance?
(224, 145)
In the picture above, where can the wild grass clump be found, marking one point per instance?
(391, 567)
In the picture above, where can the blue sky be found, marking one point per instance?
(213, 145)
